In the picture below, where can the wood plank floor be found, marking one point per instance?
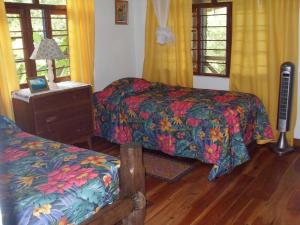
(264, 191)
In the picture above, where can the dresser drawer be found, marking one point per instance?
(45, 120)
(61, 99)
(75, 127)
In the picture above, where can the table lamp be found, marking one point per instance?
(49, 50)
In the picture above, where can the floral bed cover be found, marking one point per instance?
(45, 182)
(209, 125)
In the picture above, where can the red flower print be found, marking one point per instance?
(11, 155)
(103, 95)
(107, 180)
(74, 149)
(123, 134)
(179, 93)
(65, 177)
(63, 173)
(140, 85)
(268, 133)
(82, 176)
(166, 143)
(180, 108)
(144, 115)
(225, 98)
(212, 153)
(193, 122)
(55, 186)
(180, 135)
(248, 134)
(232, 120)
(134, 102)
(23, 135)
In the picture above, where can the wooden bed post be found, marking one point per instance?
(132, 181)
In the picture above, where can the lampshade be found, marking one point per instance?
(47, 49)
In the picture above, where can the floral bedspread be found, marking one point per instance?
(209, 125)
(44, 182)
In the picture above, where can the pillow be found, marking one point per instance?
(120, 88)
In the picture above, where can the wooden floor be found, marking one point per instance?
(264, 191)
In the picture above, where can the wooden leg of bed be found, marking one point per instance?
(132, 182)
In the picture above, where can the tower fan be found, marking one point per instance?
(284, 107)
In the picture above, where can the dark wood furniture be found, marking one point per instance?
(130, 207)
(64, 115)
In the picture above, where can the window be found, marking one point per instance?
(29, 22)
(211, 37)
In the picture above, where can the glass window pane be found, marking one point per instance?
(216, 33)
(14, 22)
(214, 68)
(216, 44)
(42, 73)
(22, 78)
(41, 65)
(36, 13)
(62, 63)
(37, 24)
(16, 34)
(58, 24)
(53, 2)
(19, 1)
(61, 40)
(65, 50)
(216, 20)
(37, 37)
(19, 54)
(17, 43)
(213, 53)
(63, 72)
(59, 32)
(20, 67)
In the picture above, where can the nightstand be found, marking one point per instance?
(63, 114)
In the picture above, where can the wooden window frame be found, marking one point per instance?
(214, 4)
(23, 9)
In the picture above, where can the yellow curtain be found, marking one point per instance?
(171, 63)
(265, 34)
(81, 25)
(8, 74)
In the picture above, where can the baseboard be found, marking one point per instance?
(296, 142)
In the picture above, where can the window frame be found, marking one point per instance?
(213, 4)
(23, 9)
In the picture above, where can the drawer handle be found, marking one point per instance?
(51, 119)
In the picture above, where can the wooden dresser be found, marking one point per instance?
(63, 115)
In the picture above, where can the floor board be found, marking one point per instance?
(264, 191)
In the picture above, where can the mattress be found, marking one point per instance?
(46, 182)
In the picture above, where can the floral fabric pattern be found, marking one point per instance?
(209, 125)
(45, 182)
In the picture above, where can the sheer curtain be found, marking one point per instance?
(171, 63)
(265, 34)
(163, 33)
(8, 74)
(81, 25)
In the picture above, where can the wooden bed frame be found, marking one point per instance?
(130, 207)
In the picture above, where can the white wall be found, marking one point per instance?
(114, 44)
(217, 83)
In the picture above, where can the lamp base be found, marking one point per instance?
(52, 85)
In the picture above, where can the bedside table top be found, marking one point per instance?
(25, 94)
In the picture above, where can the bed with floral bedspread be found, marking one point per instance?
(45, 182)
(209, 125)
